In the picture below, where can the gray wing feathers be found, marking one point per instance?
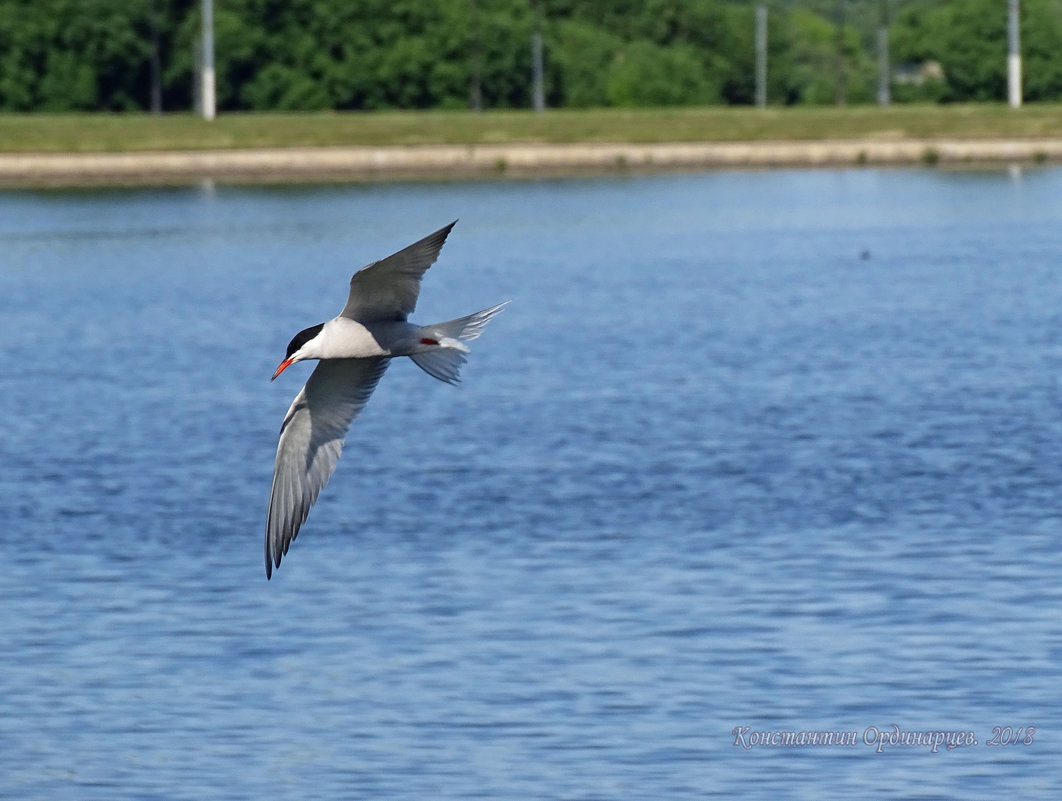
(388, 289)
(311, 440)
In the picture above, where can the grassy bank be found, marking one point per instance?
(112, 133)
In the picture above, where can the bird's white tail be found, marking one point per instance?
(444, 358)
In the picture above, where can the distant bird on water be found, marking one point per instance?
(354, 350)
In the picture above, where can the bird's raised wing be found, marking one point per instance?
(388, 289)
(311, 440)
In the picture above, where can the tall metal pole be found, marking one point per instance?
(761, 56)
(884, 78)
(842, 75)
(1014, 56)
(209, 98)
(475, 89)
(538, 91)
(156, 60)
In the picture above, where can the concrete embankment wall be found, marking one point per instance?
(381, 163)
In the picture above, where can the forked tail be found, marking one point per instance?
(444, 354)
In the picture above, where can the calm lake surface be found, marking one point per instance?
(770, 450)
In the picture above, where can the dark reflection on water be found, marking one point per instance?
(712, 468)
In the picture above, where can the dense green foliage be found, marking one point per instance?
(61, 55)
(968, 40)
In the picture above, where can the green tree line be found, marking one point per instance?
(117, 55)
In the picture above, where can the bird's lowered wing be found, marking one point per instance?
(311, 440)
(388, 289)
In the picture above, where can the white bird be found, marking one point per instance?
(354, 350)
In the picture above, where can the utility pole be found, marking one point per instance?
(475, 89)
(1014, 56)
(209, 98)
(842, 77)
(761, 56)
(884, 78)
(156, 60)
(538, 92)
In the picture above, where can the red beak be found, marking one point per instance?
(284, 365)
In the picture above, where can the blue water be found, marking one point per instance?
(772, 450)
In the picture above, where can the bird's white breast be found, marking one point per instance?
(343, 338)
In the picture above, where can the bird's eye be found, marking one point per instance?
(302, 338)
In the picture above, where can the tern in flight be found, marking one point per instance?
(354, 350)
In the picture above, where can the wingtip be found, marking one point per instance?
(270, 562)
(434, 240)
